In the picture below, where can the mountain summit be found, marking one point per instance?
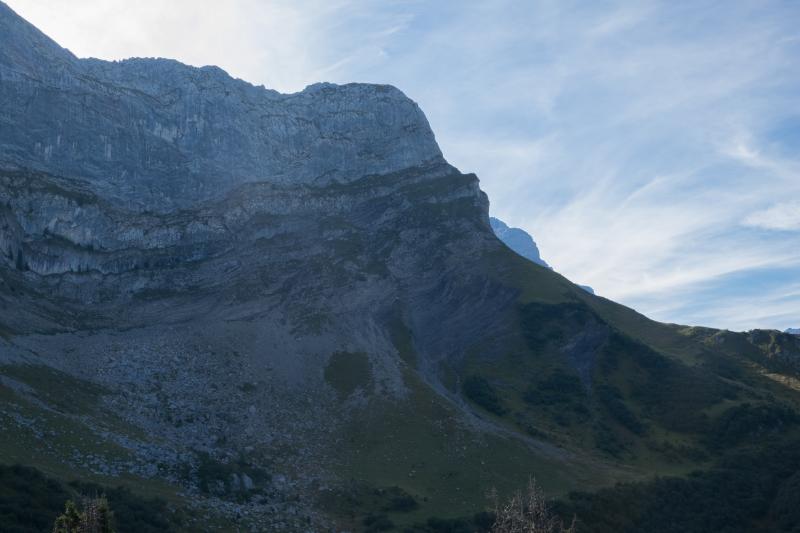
(288, 312)
(154, 133)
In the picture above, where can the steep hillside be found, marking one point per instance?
(289, 312)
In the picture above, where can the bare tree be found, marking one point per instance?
(96, 517)
(526, 512)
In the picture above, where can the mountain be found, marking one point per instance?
(522, 243)
(290, 313)
(793, 331)
(518, 240)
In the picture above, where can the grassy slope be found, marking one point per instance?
(424, 447)
(656, 401)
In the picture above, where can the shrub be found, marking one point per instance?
(377, 522)
(750, 422)
(612, 400)
(401, 504)
(480, 391)
(558, 388)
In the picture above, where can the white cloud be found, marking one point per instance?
(282, 44)
(782, 216)
(771, 308)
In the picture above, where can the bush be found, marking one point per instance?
(558, 388)
(401, 504)
(377, 522)
(480, 391)
(747, 422)
(612, 400)
(607, 441)
(546, 324)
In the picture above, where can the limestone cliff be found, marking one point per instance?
(203, 249)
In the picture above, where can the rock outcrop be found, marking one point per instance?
(201, 249)
(154, 134)
(518, 240)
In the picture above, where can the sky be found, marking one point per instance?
(652, 149)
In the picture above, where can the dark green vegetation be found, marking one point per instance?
(480, 391)
(583, 380)
(615, 388)
(756, 489)
(393, 509)
(31, 501)
(610, 397)
(347, 372)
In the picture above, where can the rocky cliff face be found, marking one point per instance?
(290, 313)
(119, 169)
(154, 134)
(204, 250)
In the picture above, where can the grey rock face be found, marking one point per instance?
(518, 240)
(157, 134)
(200, 248)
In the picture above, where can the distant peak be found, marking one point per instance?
(523, 244)
(518, 240)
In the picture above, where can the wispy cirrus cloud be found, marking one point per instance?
(651, 148)
(781, 216)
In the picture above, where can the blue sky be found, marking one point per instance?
(651, 148)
